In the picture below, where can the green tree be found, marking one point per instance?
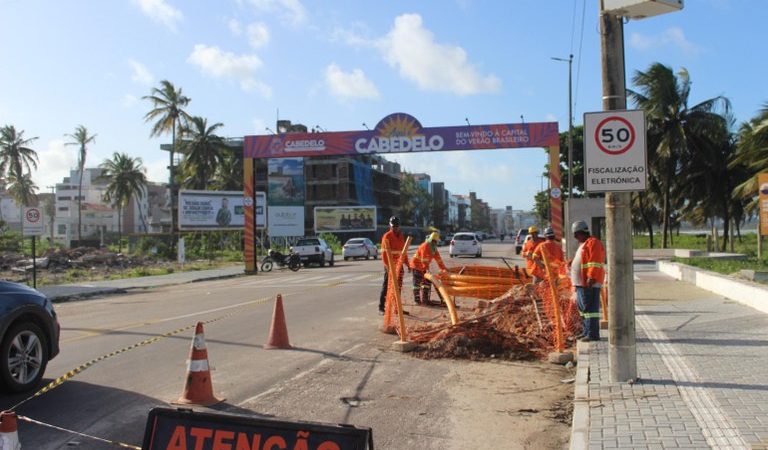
(752, 155)
(81, 138)
(229, 174)
(168, 115)
(578, 162)
(204, 151)
(673, 126)
(125, 180)
(23, 190)
(415, 201)
(15, 153)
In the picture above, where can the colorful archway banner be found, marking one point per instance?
(403, 133)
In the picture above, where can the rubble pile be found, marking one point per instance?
(511, 327)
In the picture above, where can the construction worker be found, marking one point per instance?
(392, 244)
(528, 249)
(426, 252)
(550, 251)
(587, 274)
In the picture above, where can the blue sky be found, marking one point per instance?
(341, 63)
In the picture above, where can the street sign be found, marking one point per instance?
(615, 151)
(33, 225)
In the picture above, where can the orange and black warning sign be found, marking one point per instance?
(762, 187)
(183, 429)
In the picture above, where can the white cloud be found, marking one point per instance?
(54, 164)
(140, 73)
(671, 36)
(291, 11)
(214, 62)
(349, 85)
(234, 27)
(129, 100)
(157, 170)
(160, 11)
(352, 37)
(433, 66)
(258, 35)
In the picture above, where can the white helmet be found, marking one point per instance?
(580, 225)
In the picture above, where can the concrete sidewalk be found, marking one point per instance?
(90, 288)
(703, 375)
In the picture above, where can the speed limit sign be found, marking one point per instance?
(615, 151)
(33, 225)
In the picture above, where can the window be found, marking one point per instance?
(62, 229)
(66, 197)
(63, 208)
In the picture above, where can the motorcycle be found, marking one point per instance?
(291, 261)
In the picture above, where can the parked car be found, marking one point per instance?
(447, 238)
(465, 244)
(359, 248)
(29, 336)
(313, 250)
(520, 239)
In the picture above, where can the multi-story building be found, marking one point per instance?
(464, 212)
(440, 206)
(481, 213)
(453, 212)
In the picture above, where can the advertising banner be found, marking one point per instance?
(211, 210)
(762, 183)
(403, 133)
(345, 218)
(285, 221)
(285, 182)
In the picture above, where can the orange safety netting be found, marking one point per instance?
(497, 306)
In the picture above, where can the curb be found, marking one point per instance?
(97, 291)
(580, 424)
(747, 293)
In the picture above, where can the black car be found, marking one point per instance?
(29, 336)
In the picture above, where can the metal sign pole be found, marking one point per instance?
(34, 263)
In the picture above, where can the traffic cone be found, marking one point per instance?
(278, 332)
(198, 390)
(9, 437)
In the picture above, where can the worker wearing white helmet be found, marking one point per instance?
(587, 274)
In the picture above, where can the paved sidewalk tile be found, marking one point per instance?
(703, 375)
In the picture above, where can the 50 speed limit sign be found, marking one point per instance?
(615, 151)
(34, 224)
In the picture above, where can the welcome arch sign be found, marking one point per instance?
(401, 133)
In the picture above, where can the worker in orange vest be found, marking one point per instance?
(531, 242)
(550, 251)
(587, 275)
(426, 252)
(392, 244)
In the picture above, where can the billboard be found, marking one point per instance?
(211, 210)
(285, 182)
(285, 221)
(403, 133)
(345, 218)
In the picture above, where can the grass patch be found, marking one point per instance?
(747, 245)
(725, 266)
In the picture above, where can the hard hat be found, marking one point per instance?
(434, 237)
(532, 229)
(394, 221)
(580, 225)
(549, 232)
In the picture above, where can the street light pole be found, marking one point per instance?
(570, 139)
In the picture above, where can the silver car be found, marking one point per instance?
(359, 248)
(465, 244)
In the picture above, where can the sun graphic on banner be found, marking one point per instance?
(398, 125)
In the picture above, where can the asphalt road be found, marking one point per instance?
(341, 369)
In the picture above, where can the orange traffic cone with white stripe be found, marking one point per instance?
(9, 437)
(198, 389)
(278, 331)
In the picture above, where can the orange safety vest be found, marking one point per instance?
(553, 252)
(592, 260)
(424, 256)
(527, 252)
(392, 243)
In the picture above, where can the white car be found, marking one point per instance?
(465, 244)
(313, 250)
(359, 248)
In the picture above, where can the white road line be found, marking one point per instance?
(360, 277)
(299, 375)
(717, 428)
(300, 279)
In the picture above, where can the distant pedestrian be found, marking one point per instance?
(587, 275)
(420, 262)
(550, 251)
(392, 244)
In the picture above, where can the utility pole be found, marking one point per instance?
(53, 216)
(622, 357)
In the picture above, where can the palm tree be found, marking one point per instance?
(672, 125)
(229, 175)
(204, 152)
(125, 180)
(752, 153)
(167, 110)
(15, 155)
(22, 189)
(81, 138)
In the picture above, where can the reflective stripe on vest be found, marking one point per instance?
(591, 264)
